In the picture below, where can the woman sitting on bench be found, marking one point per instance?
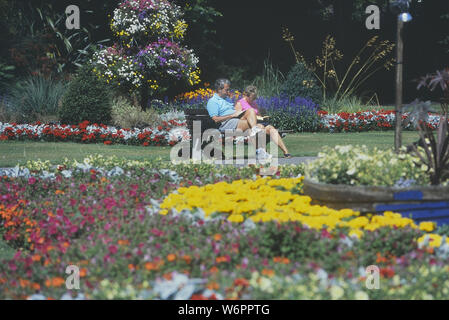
(232, 118)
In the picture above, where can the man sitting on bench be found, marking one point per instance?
(223, 111)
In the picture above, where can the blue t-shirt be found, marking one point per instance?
(217, 106)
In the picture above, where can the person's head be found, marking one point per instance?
(250, 93)
(222, 87)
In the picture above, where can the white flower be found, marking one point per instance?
(351, 171)
(336, 292)
(361, 295)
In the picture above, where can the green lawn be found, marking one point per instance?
(304, 144)
(13, 152)
(309, 144)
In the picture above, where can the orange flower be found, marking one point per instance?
(217, 237)
(241, 282)
(171, 257)
(59, 192)
(285, 260)
(83, 272)
(36, 286)
(131, 266)
(214, 269)
(123, 242)
(55, 282)
(213, 286)
(168, 276)
(187, 259)
(221, 259)
(281, 260)
(36, 257)
(380, 258)
(24, 283)
(151, 266)
(268, 272)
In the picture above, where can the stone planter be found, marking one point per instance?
(426, 203)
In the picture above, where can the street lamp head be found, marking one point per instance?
(400, 6)
(405, 17)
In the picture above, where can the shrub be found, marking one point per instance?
(7, 113)
(301, 82)
(128, 116)
(87, 98)
(6, 74)
(296, 114)
(37, 97)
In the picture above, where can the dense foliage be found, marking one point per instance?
(301, 82)
(87, 98)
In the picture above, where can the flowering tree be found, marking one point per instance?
(147, 56)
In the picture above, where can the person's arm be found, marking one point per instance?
(255, 106)
(238, 106)
(224, 118)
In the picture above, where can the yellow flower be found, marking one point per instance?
(427, 226)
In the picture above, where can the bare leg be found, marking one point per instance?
(251, 117)
(274, 134)
(243, 125)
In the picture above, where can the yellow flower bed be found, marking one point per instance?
(267, 199)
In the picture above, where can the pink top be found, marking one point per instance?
(246, 105)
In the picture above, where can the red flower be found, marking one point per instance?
(113, 249)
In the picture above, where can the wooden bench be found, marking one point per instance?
(207, 123)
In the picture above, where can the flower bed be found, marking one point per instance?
(169, 133)
(111, 226)
(366, 121)
(358, 165)
(301, 117)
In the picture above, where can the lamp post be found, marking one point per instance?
(401, 8)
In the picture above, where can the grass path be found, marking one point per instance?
(300, 145)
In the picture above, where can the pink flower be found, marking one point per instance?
(12, 266)
(112, 249)
(31, 180)
(83, 188)
(326, 234)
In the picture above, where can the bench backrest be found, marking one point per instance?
(199, 115)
